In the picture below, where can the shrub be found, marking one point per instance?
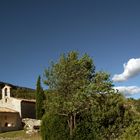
(132, 132)
(54, 127)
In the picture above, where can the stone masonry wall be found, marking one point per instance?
(11, 103)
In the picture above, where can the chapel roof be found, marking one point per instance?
(24, 100)
(7, 110)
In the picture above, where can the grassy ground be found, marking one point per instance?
(18, 135)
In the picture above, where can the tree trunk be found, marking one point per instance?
(74, 119)
(72, 124)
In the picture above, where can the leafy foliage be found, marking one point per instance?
(68, 79)
(54, 127)
(82, 104)
(110, 115)
(135, 103)
(132, 132)
(23, 93)
(19, 92)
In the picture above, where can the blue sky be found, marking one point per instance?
(35, 32)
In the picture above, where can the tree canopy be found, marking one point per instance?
(81, 103)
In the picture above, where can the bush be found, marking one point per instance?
(86, 129)
(132, 132)
(54, 127)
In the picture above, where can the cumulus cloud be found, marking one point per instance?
(128, 90)
(131, 69)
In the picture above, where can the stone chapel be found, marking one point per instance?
(13, 110)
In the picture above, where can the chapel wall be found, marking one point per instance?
(11, 103)
(28, 110)
(10, 121)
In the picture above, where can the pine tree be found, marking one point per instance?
(68, 79)
(39, 99)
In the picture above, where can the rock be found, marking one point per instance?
(31, 125)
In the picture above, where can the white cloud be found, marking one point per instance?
(131, 69)
(128, 90)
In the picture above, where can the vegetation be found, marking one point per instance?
(40, 97)
(82, 104)
(19, 92)
(132, 132)
(23, 93)
(19, 135)
(67, 79)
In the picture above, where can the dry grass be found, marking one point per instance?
(18, 135)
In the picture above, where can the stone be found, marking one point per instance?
(31, 125)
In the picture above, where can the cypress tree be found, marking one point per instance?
(39, 99)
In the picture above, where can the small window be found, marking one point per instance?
(5, 91)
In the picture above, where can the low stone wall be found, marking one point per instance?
(31, 125)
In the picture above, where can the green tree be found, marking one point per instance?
(82, 102)
(68, 79)
(110, 115)
(40, 97)
(102, 83)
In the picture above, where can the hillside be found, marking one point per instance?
(18, 91)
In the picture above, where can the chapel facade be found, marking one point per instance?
(13, 110)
